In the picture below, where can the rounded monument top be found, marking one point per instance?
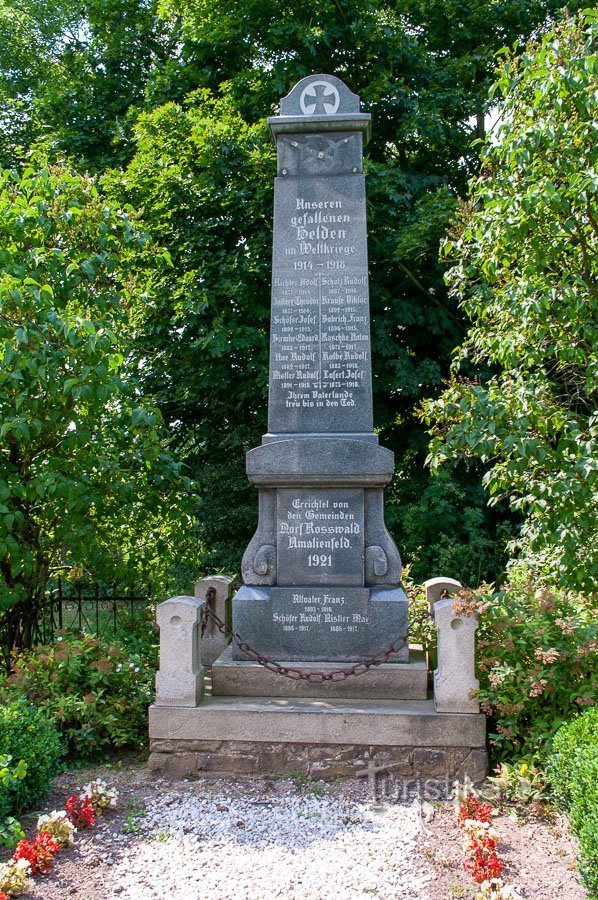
(319, 95)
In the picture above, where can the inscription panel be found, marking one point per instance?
(320, 536)
(325, 623)
(320, 362)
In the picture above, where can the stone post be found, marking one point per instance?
(438, 589)
(216, 592)
(454, 678)
(179, 681)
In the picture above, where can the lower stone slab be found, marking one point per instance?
(391, 681)
(327, 737)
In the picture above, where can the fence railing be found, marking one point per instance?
(96, 613)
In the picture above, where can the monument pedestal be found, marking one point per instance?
(253, 721)
(390, 681)
(322, 737)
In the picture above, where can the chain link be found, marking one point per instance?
(313, 677)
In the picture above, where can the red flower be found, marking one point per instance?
(472, 808)
(80, 812)
(4, 896)
(39, 853)
(484, 867)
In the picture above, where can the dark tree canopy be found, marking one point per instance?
(166, 103)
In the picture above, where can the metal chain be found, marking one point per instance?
(314, 677)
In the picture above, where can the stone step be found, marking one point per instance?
(270, 735)
(391, 681)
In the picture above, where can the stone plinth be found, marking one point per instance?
(398, 681)
(179, 680)
(274, 735)
(216, 592)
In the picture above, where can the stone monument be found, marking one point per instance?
(322, 576)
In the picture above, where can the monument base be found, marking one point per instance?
(320, 624)
(324, 738)
(390, 681)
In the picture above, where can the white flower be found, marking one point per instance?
(58, 824)
(14, 877)
(101, 796)
(496, 890)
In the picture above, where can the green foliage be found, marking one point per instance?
(11, 832)
(522, 782)
(443, 527)
(577, 735)
(27, 734)
(525, 272)
(573, 772)
(202, 178)
(85, 474)
(139, 634)
(10, 772)
(97, 693)
(70, 71)
(181, 90)
(537, 662)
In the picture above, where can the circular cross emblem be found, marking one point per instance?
(319, 98)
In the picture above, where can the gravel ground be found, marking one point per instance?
(251, 839)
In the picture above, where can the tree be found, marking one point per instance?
(525, 272)
(202, 177)
(127, 76)
(74, 72)
(83, 457)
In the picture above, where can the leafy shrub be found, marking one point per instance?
(10, 828)
(570, 740)
(536, 662)
(27, 734)
(97, 693)
(573, 772)
(422, 629)
(139, 634)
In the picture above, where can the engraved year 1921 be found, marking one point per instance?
(316, 559)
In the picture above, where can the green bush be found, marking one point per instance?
(536, 663)
(572, 771)
(138, 633)
(573, 738)
(27, 734)
(97, 693)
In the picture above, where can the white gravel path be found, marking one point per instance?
(297, 847)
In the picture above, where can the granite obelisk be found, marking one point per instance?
(322, 576)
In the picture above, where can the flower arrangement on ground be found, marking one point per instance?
(54, 832)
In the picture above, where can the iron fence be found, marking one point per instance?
(97, 612)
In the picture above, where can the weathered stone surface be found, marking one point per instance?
(437, 589)
(440, 588)
(391, 681)
(412, 723)
(454, 679)
(379, 765)
(179, 680)
(320, 357)
(216, 592)
(474, 766)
